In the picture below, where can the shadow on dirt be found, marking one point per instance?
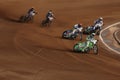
(11, 19)
(69, 51)
(4, 15)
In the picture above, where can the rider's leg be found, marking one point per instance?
(74, 30)
(80, 33)
(86, 46)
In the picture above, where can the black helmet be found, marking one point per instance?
(80, 25)
(50, 10)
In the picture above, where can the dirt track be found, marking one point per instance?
(117, 37)
(29, 52)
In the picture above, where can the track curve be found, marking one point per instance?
(116, 35)
(31, 52)
(107, 37)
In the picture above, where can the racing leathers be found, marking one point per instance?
(90, 38)
(98, 24)
(77, 29)
(31, 12)
(50, 16)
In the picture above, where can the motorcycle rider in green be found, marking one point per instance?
(89, 39)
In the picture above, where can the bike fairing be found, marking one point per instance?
(77, 28)
(90, 41)
(98, 23)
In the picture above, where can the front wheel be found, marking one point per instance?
(43, 23)
(80, 36)
(95, 49)
(98, 32)
(22, 19)
(64, 34)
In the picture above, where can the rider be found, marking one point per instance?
(50, 16)
(89, 39)
(77, 28)
(31, 12)
(98, 23)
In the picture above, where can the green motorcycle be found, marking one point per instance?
(79, 47)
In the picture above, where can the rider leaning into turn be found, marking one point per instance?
(89, 39)
(31, 12)
(98, 23)
(50, 16)
(77, 28)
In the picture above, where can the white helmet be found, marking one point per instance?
(101, 18)
(93, 34)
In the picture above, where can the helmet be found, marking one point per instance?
(32, 7)
(101, 18)
(93, 34)
(50, 11)
(79, 24)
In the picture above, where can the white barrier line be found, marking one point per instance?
(115, 35)
(103, 40)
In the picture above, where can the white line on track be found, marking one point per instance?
(103, 40)
(115, 34)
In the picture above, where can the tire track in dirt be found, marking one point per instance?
(36, 53)
(64, 44)
(81, 60)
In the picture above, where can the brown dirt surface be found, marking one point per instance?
(118, 34)
(31, 52)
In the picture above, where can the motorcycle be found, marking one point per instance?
(46, 22)
(25, 19)
(79, 47)
(88, 30)
(69, 35)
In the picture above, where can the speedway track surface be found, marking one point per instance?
(31, 52)
(117, 37)
(110, 37)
